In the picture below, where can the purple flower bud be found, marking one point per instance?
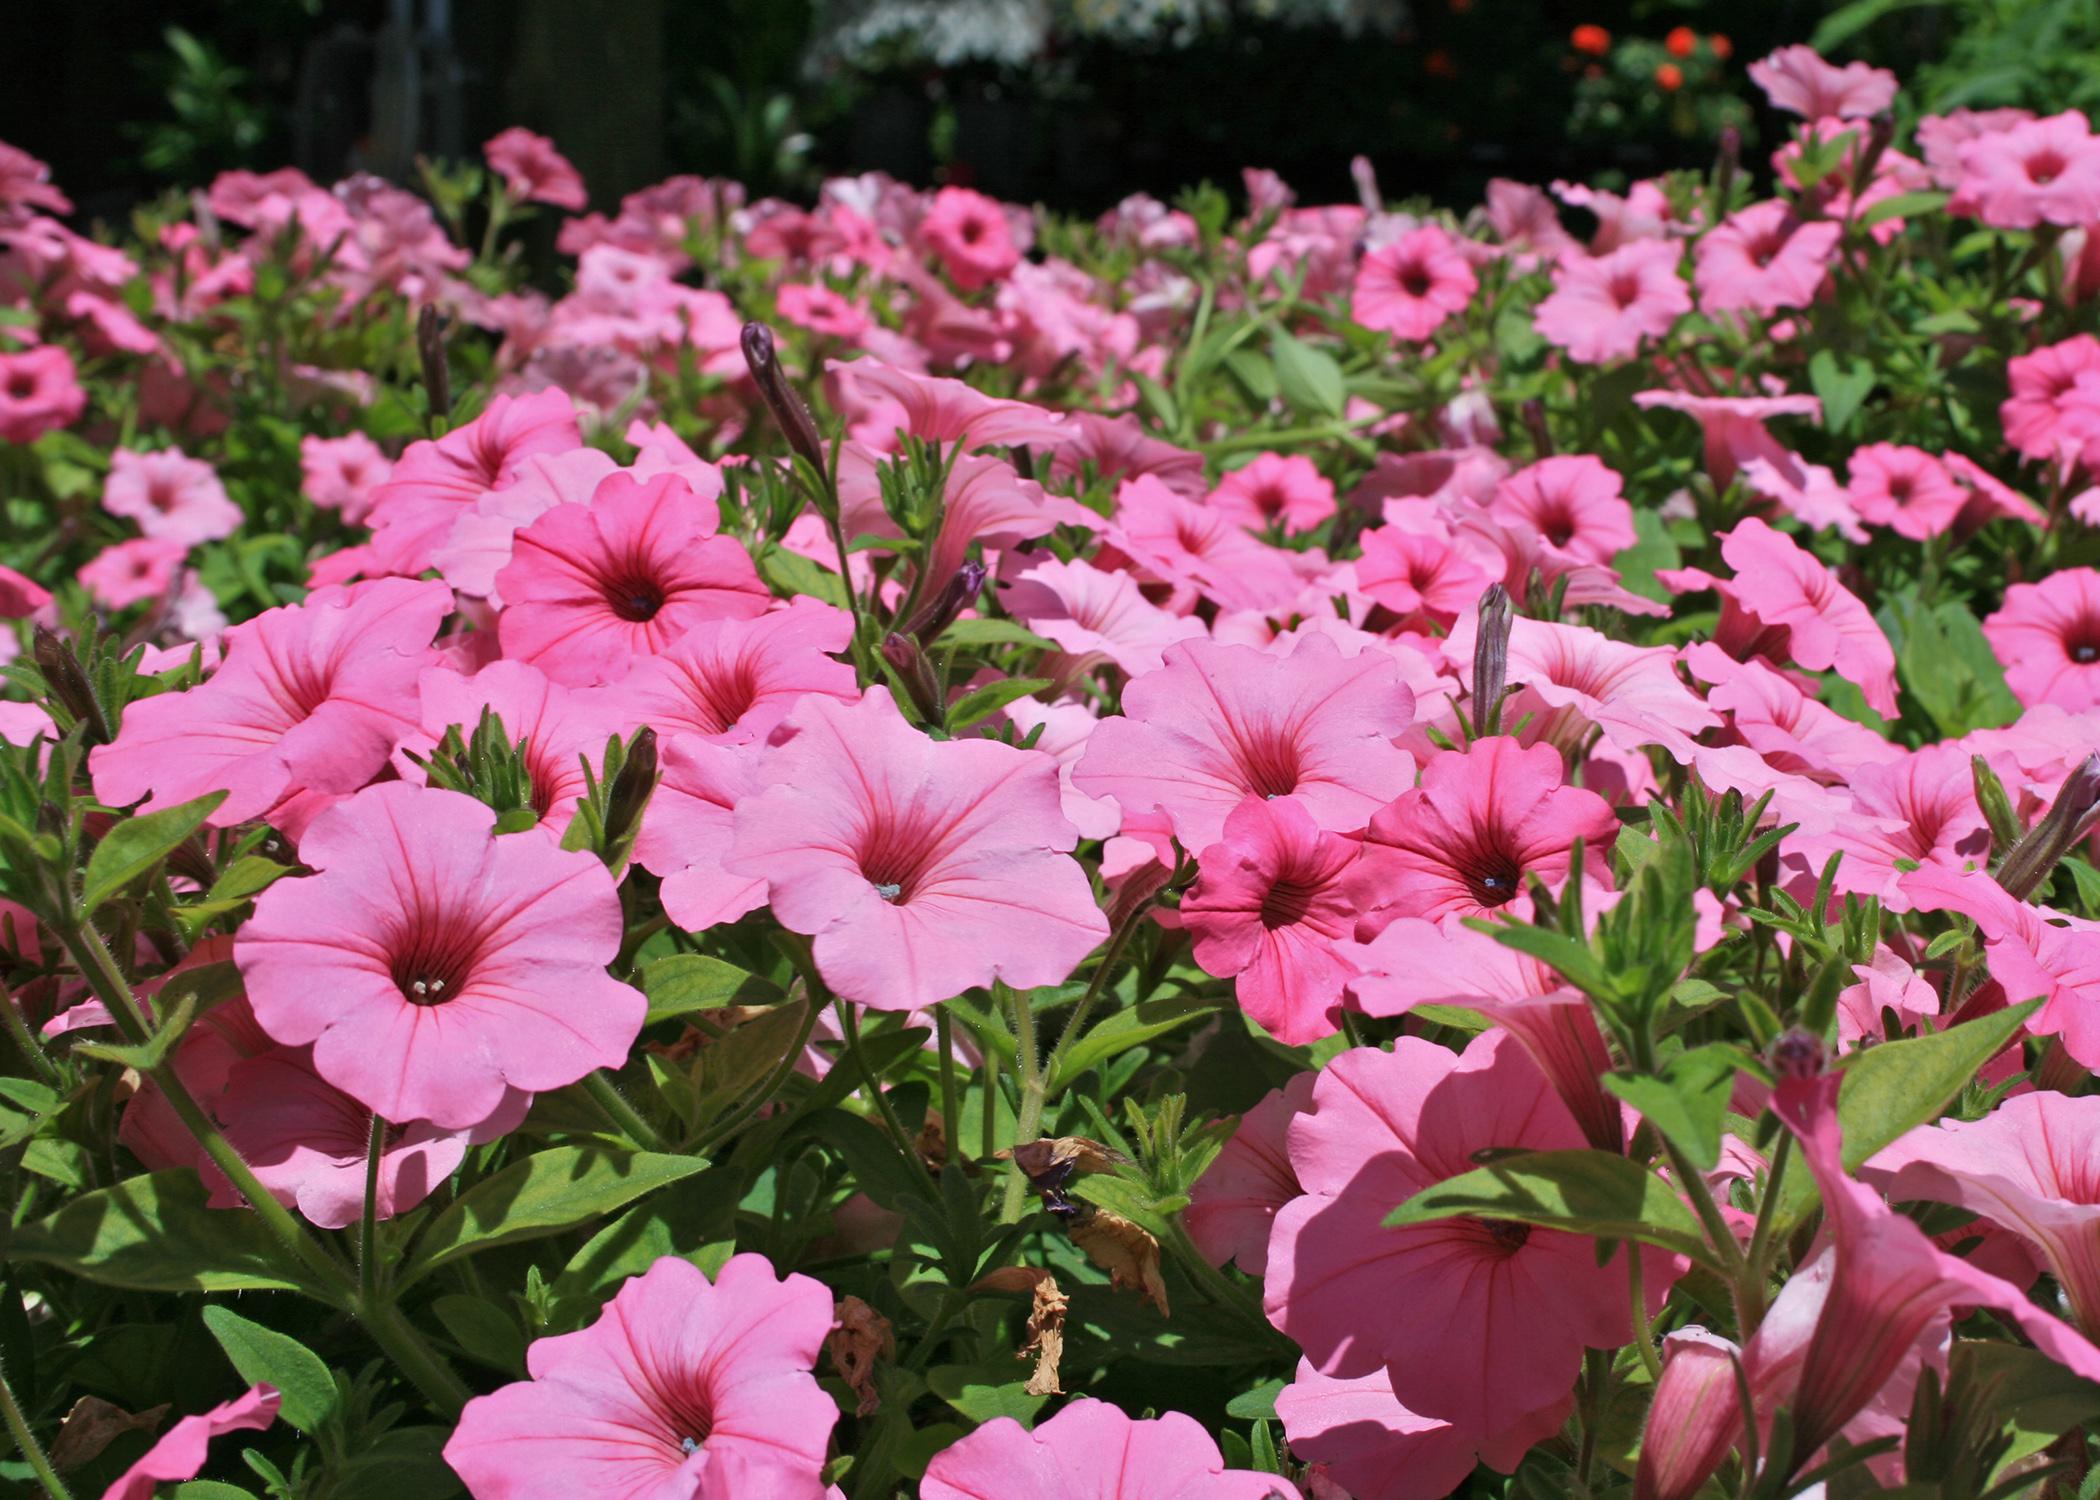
(1797, 1054)
(789, 412)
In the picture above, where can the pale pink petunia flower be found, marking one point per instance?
(39, 393)
(1483, 822)
(1274, 489)
(1769, 712)
(171, 496)
(736, 679)
(1409, 287)
(1763, 259)
(1095, 615)
(1061, 731)
(1218, 724)
(1476, 1323)
(2042, 417)
(1886, 983)
(591, 590)
(342, 474)
(1919, 809)
(1417, 573)
(1573, 502)
(122, 575)
(943, 410)
(918, 868)
(1269, 911)
(561, 727)
(1796, 79)
(970, 235)
(2038, 172)
(1233, 1204)
(822, 310)
(1175, 540)
(689, 826)
(1905, 489)
(533, 171)
(1990, 498)
(180, 1453)
(1794, 608)
(1119, 448)
(439, 969)
(482, 539)
(2047, 637)
(681, 1387)
(436, 481)
(1601, 309)
(306, 1141)
(1092, 1451)
(1356, 1433)
(1941, 138)
(308, 704)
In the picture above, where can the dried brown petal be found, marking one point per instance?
(92, 1425)
(1066, 1153)
(1126, 1251)
(1046, 1322)
(862, 1336)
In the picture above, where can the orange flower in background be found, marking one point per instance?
(1681, 42)
(1669, 78)
(1722, 47)
(1594, 40)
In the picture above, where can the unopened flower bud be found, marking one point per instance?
(916, 673)
(437, 370)
(67, 682)
(1997, 807)
(1726, 163)
(2030, 863)
(937, 614)
(1365, 176)
(1695, 1417)
(1491, 659)
(631, 788)
(1534, 415)
(1797, 1054)
(789, 412)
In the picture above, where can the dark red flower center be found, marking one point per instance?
(1270, 764)
(719, 699)
(1287, 903)
(2082, 641)
(21, 385)
(1625, 289)
(689, 1418)
(972, 231)
(2044, 167)
(433, 962)
(1415, 279)
(634, 597)
(1506, 1234)
(1492, 877)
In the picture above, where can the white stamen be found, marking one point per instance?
(889, 892)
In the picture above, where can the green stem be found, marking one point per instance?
(1637, 1299)
(1103, 973)
(951, 1114)
(393, 1333)
(25, 1040)
(1281, 436)
(731, 1123)
(18, 1426)
(872, 1087)
(622, 1114)
(1030, 1124)
(1596, 1375)
(368, 1221)
(988, 1124)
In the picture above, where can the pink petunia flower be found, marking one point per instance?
(1356, 1433)
(1920, 809)
(821, 310)
(1484, 820)
(2047, 637)
(26, 183)
(1416, 573)
(560, 726)
(1268, 910)
(690, 825)
(172, 497)
(306, 1141)
(181, 1451)
(592, 589)
(1573, 502)
(1218, 724)
(1234, 1203)
(437, 969)
(1800, 82)
(437, 481)
(342, 474)
(1119, 450)
(2041, 418)
(1061, 731)
(1763, 259)
(736, 679)
(1733, 426)
(1575, 679)
(1477, 1324)
(1792, 732)
(680, 1387)
(306, 707)
(1274, 489)
(1094, 616)
(919, 868)
(969, 233)
(1788, 605)
(1175, 540)
(1905, 489)
(533, 171)
(39, 393)
(942, 410)
(484, 536)
(1601, 308)
(1092, 1451)
(2027, 1167)
(2038, 172)
(120, 576)
(1410, 286)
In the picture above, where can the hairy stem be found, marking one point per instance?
(25, 1440)
(614, 1106)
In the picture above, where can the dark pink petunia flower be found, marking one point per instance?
(26, 182)
(591, 590)
(970, 235)
(1092, 1451)
(1175, 540)
(1234, 1203)
(1905, 489)
(122, 575)
(919, 868)
(1791, 607)
(1268, 910)
(1484, 821)
(1769, 712)
(39, 393)
(1733, 426)
(1218, 724)
(181, 1451)
(1764, 259)
(533, 171)
(1602, 308)
(437, 481)
(681, 1387)
(2040, 417)
(1409, 287)
(437, 969)
(2047, 637)
(2037, 172)
(1797, 80)
(1274, 489)
(1507, 1308)
(1417, 573)
(1573, 502)
(308, 704)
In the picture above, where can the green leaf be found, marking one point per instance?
(544, 1194)
(154, 1234)
(483, 1330)
(1125, 1029)
(138, 843)
(686, 982)
(967, 634)
(1308, 377)
(247, 876)
(262, 1354)
(1948, 667)
(1254, 373)
(1903, 206)
(1582, 1192)
(1840, 390)
(405, 1461)
(209, 1489)
(1688, 1101)
(791, 573)
(989, 699)
(2037, 1398)
(693, 1223)
(1258, 1404)
(870, 1156)
(996, 1388)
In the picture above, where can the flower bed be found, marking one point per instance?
(1251, 850)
